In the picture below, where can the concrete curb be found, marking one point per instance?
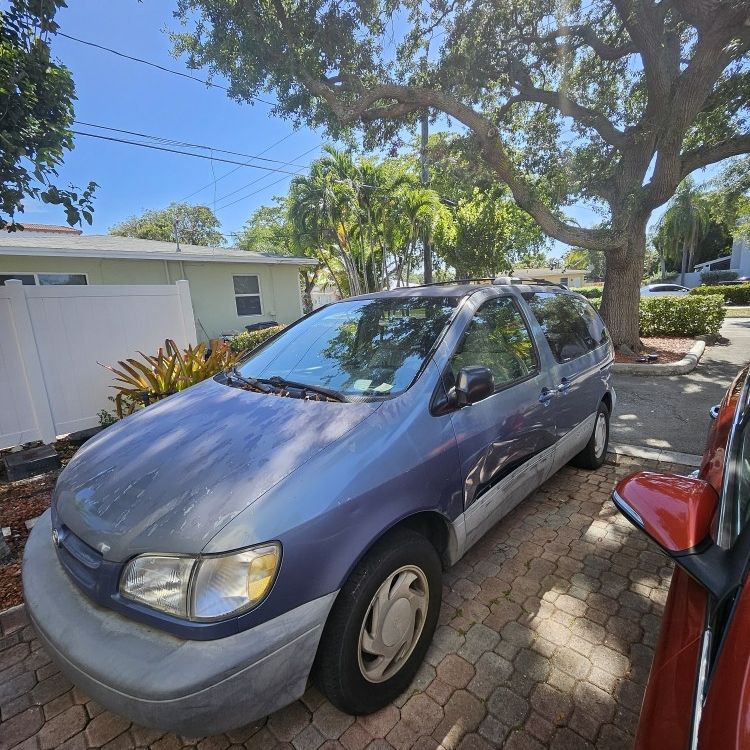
(685, 365)
(655, 454)
(12, 619)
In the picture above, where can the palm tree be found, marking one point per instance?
(685, 224)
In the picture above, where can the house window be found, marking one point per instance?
(65, 279)
(247, 295)
(46, 279)
(27, 279)
(564, 280)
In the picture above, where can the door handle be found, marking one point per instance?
(546, 395)
(564, 385)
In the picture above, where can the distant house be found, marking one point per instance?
(571, 277)
(229, 288)
(738, 261)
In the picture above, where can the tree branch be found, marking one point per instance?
(701, 157)
(589, 37)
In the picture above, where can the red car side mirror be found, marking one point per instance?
(677, 513)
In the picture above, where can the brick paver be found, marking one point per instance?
(545, 639)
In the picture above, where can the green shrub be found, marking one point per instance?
(733, 294)
(590, 292)
(248, 340)
(714, 277)
(698, 315)
(658, 278)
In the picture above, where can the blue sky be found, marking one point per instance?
(123, 94)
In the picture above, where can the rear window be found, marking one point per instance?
(571, 326)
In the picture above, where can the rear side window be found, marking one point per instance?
(571, 326)
(497, 338)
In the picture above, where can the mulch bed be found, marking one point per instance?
(666, 348)
(20, 502)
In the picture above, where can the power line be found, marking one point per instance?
(254, 192)
(255, 181)
(184, 153)
(236, 169)
(158, 67)
(184, 144)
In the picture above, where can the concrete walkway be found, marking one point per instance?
(672, 412)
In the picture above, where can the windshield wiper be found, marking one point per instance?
(280, 382)
(234, 374)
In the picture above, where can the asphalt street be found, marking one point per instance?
(672, 412)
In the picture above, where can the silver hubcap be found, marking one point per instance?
(600, 434)
(393, 623)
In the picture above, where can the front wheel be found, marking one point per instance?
(593, 455)
(381, 624)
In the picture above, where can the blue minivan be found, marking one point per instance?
(291, 517)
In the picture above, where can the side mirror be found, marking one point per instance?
(677, 513)
(473, 384)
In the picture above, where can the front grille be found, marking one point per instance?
(81, 562)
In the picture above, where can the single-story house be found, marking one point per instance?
(571, 277)
(230, 288)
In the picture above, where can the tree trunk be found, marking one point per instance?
(685, 253)
(621, 296)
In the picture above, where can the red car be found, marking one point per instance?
(698, 693)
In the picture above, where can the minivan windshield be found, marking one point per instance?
(368, 347)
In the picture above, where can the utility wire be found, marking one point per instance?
(236, 169)
(185, 153)
(255, 181)
(255, 192)
(158, 67)
(184, 144)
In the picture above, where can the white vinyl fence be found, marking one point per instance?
(51, 338)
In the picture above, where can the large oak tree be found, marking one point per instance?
(611, 102)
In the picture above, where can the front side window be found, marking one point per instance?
(497, 338)
(571, 326)
(736, 501)
(372, 348)
(247, 295)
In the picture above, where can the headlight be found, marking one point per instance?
(202, 588)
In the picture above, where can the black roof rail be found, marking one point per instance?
(496, 280)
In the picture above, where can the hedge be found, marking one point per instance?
(590, 292)
(733, 294)
(682, 316)
(248, 340)
(679, 316)
(714, 277)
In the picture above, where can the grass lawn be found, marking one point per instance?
(738, 312)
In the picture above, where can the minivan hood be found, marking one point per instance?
(168, 478)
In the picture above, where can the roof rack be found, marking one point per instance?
(497, 280)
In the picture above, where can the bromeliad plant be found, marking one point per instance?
(168, 372)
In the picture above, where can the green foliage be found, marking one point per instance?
(733, 294)
(487, 234)
(681, 316)
(36, 101)
(714, 277)
(155, 377)
(249, 340)
(590, 292)
(196, 225)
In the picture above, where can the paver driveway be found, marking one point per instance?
(545, 639)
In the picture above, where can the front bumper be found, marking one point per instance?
(190, 687)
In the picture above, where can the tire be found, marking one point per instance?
(411, 565)
(595, 452)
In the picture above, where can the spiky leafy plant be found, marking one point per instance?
(169, 371)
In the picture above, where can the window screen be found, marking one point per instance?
(247, 295)
(497, 338)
